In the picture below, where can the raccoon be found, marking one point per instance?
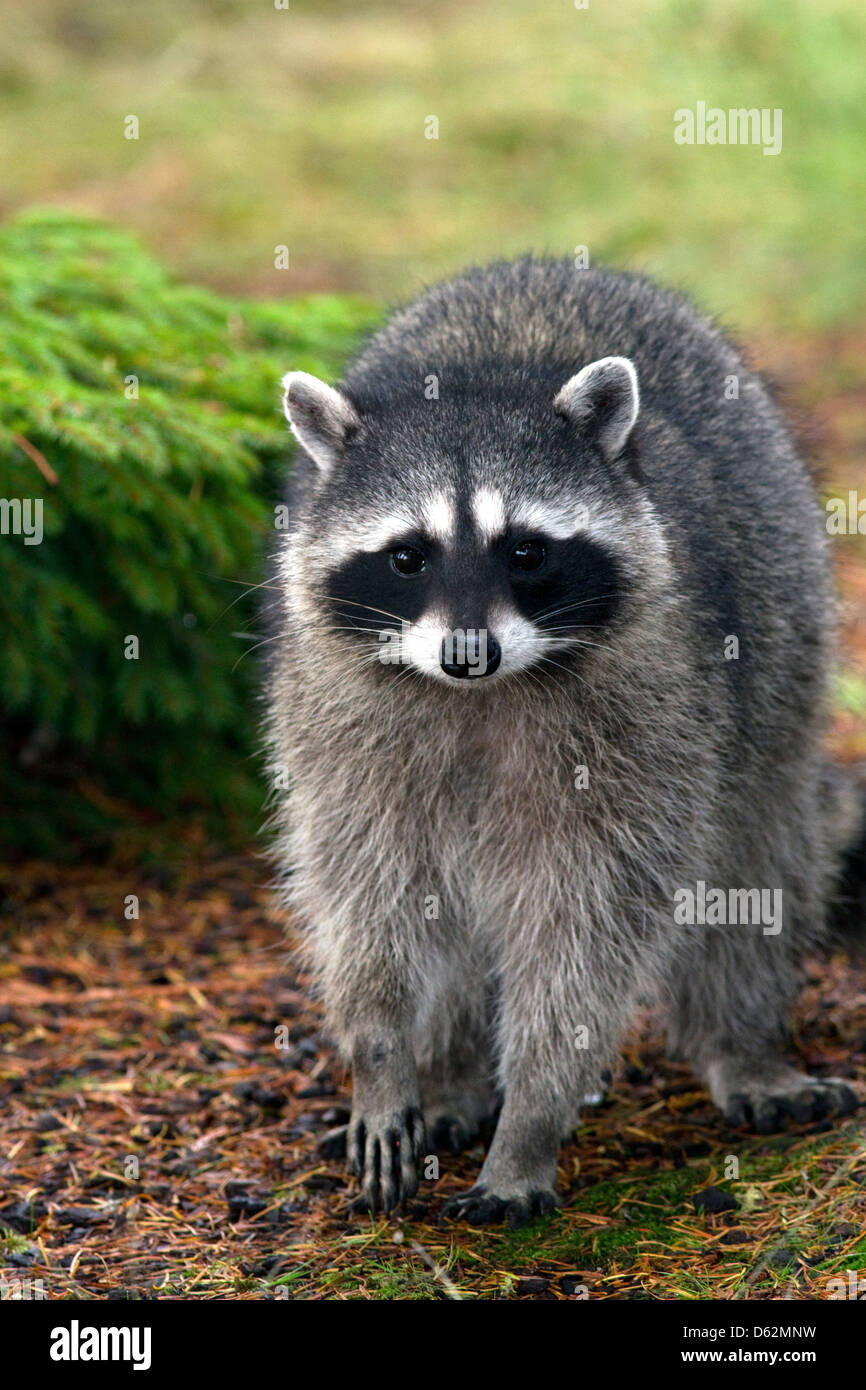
(555, 627)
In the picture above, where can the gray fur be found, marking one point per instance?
(555, 903)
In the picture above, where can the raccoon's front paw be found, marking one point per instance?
(481, 1207)
(382, 1151)
(768, 1106)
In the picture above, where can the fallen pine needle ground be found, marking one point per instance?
(165, 1085)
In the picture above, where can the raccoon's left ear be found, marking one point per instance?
(602, 398)
(320, 416)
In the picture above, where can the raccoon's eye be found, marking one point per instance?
(528, 555)
(407, 560)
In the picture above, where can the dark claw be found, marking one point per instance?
(848, 1100)
(476, 1209)
(768, 1113)
(386, 1163)
(371, 1170)
(738, 1111)
(810, 1104)
(480, 1208)
(356, 1144)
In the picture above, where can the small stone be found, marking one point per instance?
(846, 1229)
(257, 1095)
(318, 1089)
(80, 1216)
(532, 1283)
(320, 1182)
(22, 1216)
(21, 1258)
(713, 1199)
(268, 1100)
(245, 1205)
(45, 1122)
(572, 1286)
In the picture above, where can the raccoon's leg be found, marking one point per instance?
(370, 1007)
(385, 1137)
(455, 1064)
(560, 1029)
(729, 1021)
(454, 1056)
(517, 1180)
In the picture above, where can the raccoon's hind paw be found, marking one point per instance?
(454, 1111)
(451, 1133)
(451, 1128)
(803, 1099)
(482, 1208)
(383, 1153)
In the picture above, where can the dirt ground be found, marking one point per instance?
(165, 1087)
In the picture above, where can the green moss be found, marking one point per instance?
(13, 1244)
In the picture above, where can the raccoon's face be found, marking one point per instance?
(475, 551)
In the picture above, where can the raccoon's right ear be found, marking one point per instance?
(321, 417)
(602, 398)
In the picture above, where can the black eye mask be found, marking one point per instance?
(579, 584)
(557, 584)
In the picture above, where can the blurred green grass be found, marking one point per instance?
(306, 127)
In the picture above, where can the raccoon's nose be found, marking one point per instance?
(478, 655)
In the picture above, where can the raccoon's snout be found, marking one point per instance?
(477, 654)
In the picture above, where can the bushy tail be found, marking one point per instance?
(846, 916)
